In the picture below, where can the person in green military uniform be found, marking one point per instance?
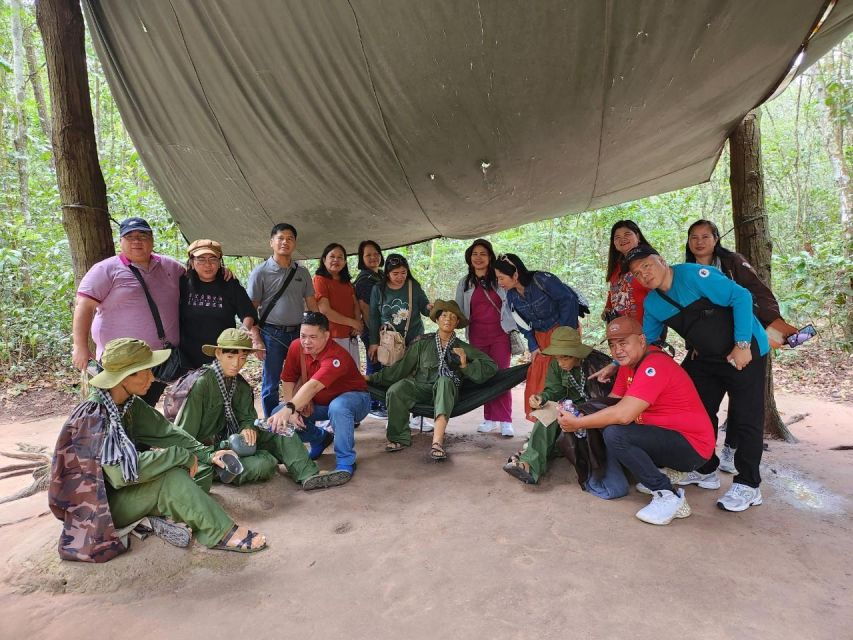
(150, 466)
(564, 380)
(221, 404)
(433, 369)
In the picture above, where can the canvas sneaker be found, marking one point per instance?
(487, 426)
(175, 533)
(379, 414)
(422, 424)
(740, 497)
(664, 507)
(673, 475)
(727, 460)
(704, 480)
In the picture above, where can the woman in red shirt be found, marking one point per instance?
(625, 296)
(336, 298)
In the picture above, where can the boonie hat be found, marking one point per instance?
(204, 247)
(566, 341)
(123, 357)
(638, 252)
(230, 339)
(133, 224)
(622, 328)
(448, 305)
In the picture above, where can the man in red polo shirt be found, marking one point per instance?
(333, 385)
(659, 421)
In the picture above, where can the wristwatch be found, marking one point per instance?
(291, 406)
(743, 344)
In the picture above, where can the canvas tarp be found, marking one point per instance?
(403, 121)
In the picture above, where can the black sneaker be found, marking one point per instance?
(379, 414)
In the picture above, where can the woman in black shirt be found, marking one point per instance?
(209, 304)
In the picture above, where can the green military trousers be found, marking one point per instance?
(406, 393)
(175, 495)
(273, 449)
(539, 449)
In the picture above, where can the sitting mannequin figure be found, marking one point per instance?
(118, 460)
(221, 404)
(433, 368)
(564, 380)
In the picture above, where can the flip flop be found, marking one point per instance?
(437, 452)
(391, 447)
(326, 479)
(520, 470)
(244, 546)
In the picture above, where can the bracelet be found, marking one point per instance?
(291, 406)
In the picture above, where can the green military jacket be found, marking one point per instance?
(169, 446)
(421, 363)
(203, 413)
(557, 385)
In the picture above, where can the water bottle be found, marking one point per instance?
(569, 407)
(262, 424)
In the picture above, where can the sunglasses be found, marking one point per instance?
(505, 258)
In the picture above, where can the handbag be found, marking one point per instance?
(173, 367)
(706, 327)
(392, 345)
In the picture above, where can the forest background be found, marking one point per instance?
(807, 162)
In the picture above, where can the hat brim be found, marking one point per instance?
(437, 311)
(109, 379)
(203, 252)
(210, 349)
(580, 351)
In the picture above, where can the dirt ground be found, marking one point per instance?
(410, 549)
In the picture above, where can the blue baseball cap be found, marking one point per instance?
(133, 224)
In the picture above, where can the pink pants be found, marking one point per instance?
(499, 408)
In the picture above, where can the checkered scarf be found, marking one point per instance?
(444, 368)
(569, 382)
(227, 391)
(118, 448)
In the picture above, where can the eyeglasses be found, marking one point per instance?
(206, 260)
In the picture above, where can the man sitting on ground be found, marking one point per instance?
(658, 422)
(432, 370)
(101, 481)
(332, 388)
(221, 404)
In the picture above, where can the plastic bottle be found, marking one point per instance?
(263, 425)
(569, 407)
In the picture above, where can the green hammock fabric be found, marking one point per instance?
(471, 395)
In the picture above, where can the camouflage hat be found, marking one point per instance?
(440, 306)
(123, 357)
(566, 341)
(230, 339)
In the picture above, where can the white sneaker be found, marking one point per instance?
(740, 498)
(422, 424)
(704, 480)
(506, 429)
(727, 459)
(665, 506)
(673, 475)
(487, 426)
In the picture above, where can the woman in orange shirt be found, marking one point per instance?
(336, 298)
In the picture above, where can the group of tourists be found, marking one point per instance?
(120, 463)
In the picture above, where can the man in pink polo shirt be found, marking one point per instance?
(112, 304)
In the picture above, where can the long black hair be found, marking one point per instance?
(614, 258)
(719, 250)
(362, 246)
(509, 263)
(323, 271)
(392, 262)
(471, 279)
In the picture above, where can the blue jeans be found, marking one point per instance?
(371, 366)
(343, 412)
(276, 342)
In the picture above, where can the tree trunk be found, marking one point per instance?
(35, 80)
(19, 81)
(81, 184)
(749, 215)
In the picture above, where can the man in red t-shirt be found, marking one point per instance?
(659, 421)
(332, 384)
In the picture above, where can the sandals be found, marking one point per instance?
(437, 452)
(518, 469)
(244, 546)
(391, 447)
(326, 479)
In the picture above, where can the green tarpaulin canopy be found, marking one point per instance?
(403, 121)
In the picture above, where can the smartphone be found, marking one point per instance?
(806, 333)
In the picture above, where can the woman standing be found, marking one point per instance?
(541, 302)
(336, 298)
(370, 263)
(209, 304)
(625, 296)
(489, 322)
